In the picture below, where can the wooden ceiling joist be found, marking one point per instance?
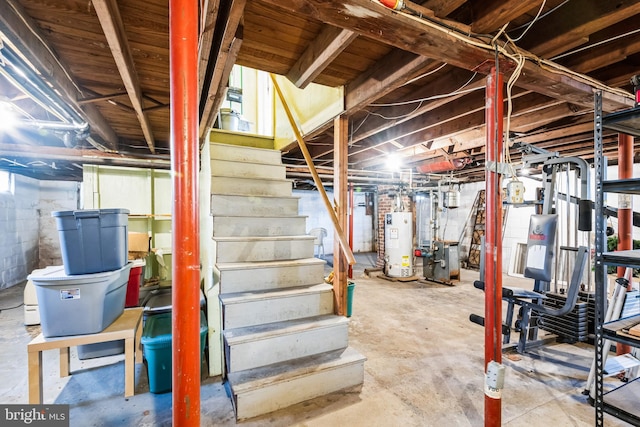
(113, 27)
(319, 54)
(492, 14)
(224, 48)
(427, 39)
(578, 20)
(24, 34)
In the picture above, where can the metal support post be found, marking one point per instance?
(183, 39)
(493, 245)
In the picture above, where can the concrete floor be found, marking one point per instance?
(424, 368)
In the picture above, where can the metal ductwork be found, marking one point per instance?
(445, 165)
(25, 79)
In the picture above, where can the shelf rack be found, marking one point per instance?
(622, 402)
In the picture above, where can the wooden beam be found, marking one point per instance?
(377, 81)
(225, 49)
(442, 8)
(25, 35)
(340, 168)
(578, 20)
(98, 98)
(113, 28)
(443, 85)
(319, 54)
(492, 14)
(210, 10)
(528, 122)
(604, 55)
(430, 40)
(394, 70)
(82, 156)
(464, 127)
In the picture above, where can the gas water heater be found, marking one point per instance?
(398, 244)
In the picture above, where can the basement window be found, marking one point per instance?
(6, 182)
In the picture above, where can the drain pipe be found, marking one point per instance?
(183, 42)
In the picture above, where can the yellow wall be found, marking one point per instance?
(311, 107)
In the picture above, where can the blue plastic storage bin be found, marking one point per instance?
(79, 304)
(93, 240)
(156, 342)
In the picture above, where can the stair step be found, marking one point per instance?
(231, 204)
(263, 345)
(247, 169)
(264, 226)
(255, 308)
(263, 276)
(250, 186)
(272, 248)
(262, 390)
(240, 153)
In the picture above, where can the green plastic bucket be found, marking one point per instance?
(350, 287)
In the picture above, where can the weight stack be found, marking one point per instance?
(572, 327)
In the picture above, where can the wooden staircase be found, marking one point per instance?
(282, 343)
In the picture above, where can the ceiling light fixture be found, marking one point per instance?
(393, 162)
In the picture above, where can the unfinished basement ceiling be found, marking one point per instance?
(414, 80)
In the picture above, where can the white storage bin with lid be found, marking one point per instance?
(79, 304)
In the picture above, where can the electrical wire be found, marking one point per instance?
(428, 73)
(550, 11)
(544, 2)
(402, 116)
(601, 42)
(545, 64)
(434, 97)
(11, 308)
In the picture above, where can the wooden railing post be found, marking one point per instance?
(344, 244)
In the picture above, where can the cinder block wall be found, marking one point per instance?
(54, 196)
(27, 232)
(19, 231)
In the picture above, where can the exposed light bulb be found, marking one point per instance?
(393, 162)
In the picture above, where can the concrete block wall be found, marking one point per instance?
(312, 206)
(54, 196)
(19, 231)
(28, 236)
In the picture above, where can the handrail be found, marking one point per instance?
(314, 174)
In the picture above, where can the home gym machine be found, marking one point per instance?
(539, 307)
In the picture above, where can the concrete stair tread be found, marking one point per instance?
(266, 217)
(227, 266)
(253, 379)
(261, 238)
(259, 332)
(248, 162)
(259, 196)
(245, 179)
(241, 297)
(213, 145)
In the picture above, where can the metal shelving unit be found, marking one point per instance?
(621, 402)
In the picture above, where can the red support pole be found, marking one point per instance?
(183, 40)
(493, 243)
(625, 208)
